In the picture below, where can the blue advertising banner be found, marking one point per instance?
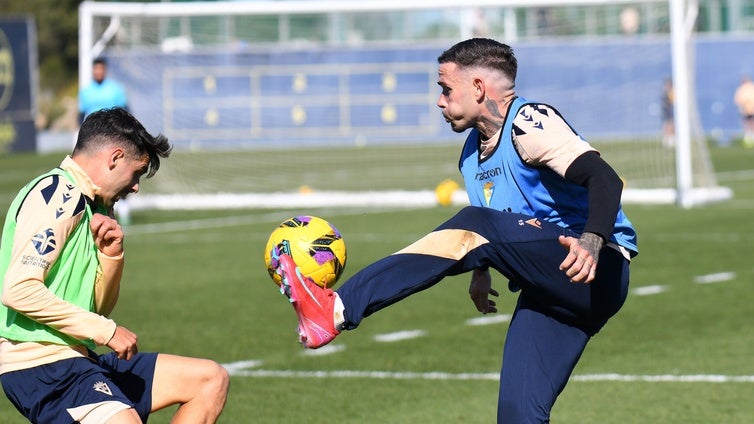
(17, 84)
(224, 96)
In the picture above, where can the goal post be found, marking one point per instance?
(292, 103)
(683, 14)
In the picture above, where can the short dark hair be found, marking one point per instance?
(99, 61)
(117, 126)
(482, 52)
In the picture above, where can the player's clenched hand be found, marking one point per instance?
(123, 343)
(480, 290)
(580, 264)
(107, 233)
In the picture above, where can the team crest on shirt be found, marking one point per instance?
(102, 387)
(489, 189)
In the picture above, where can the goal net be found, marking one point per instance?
(298, 104)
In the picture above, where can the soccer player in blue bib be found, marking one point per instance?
(102, 93)
(545, 212)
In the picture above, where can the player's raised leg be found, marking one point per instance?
(473, 238)
(199, 386)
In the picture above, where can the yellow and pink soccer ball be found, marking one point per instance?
(316, 246)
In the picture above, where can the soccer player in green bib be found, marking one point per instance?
(61, 261)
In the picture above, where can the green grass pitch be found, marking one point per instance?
(680, 351)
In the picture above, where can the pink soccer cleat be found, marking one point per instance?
(313, 304)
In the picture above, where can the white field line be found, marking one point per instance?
(324, 350)
(248, 219)
(667, 378)
(203, 224)
(489, 319)
(228, 221)
(399, 335)
(237, 371)
(718, 277)
(649, 290)
(234, 367)
(403, 199)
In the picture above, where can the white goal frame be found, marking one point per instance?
(682, 17)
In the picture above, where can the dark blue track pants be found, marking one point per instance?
(553, 320)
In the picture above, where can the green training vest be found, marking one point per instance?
(70, 278)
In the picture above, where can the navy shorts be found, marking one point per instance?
(44, 394)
